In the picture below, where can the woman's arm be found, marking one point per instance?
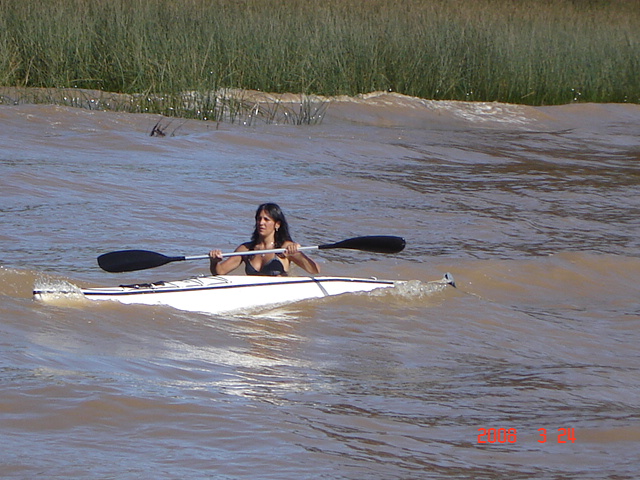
(300, 258)
(220, 266)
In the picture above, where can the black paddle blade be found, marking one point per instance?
(375, 243)
(132, 260)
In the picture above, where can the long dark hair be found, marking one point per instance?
(275, 212)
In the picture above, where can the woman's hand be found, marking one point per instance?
(292, 249)
(215, 255)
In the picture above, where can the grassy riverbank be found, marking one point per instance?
(534, 52)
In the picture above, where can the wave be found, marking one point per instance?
(54, 290)
(380, 108)
(570, 281)
(18, 283)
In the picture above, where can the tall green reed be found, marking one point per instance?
(534, 52)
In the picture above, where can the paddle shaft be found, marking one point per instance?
(250, 252)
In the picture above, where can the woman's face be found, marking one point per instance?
(265, 224)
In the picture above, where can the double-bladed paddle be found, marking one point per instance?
(132, 260)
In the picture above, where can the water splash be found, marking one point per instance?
(58, 291)
(416, 289)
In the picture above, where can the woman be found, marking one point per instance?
(271, 232)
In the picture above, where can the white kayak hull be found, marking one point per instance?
(222, 294)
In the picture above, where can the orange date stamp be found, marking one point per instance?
(510, 435)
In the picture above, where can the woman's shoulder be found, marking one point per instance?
(245, 247)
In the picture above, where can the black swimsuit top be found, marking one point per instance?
(273, 267)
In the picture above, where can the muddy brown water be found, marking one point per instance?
(534, 210)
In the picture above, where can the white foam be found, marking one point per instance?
(416, 289)
(51, 290)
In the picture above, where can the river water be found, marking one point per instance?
(534, 210)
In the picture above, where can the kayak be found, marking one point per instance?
(231, 293)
